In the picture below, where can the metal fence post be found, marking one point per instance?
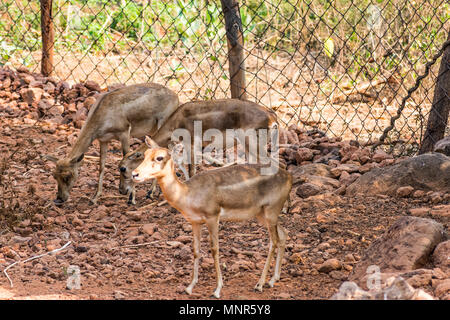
(235, 41)
(440, 109)
(48, 37)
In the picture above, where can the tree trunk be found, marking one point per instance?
(438, 118)
(235, 41)
(48, 37)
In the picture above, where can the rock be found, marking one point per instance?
(303, 154)
(397, 289)
(308, 189)
(284, 296)
(380, 155)
(443, 288)
(443, 146)
(418, 194)
(404, 192)
(134, 215)
(347, 179)
(350, 291)
(175, 244)
(149, 228)
(438, 273)
(92, 85)
(137, 267)
(419, 212)
(349, 258)
(441, 256)
(312, 169)
(420, 280)
(119, 295)
(425, 172)
(77, 222)
(441, 211)
(19, 239)
(435, 197)
(31, 95)
(405, 246)
(350, 168)
(338, 275)
(89, 101)
(330, 265)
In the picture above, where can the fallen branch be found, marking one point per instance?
(361, 89)
(162, 203)
(33, 258)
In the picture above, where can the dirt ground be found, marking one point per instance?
(119, 260)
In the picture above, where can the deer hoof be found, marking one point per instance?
(188, 290)
(259, 287)
(216, 294)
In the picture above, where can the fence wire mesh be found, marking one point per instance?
(341, 66)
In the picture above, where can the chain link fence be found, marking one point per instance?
(342, 66)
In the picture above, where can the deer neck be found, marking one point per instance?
(83, 142)
(173, 189)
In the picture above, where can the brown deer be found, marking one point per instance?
(216, 114)
(238, 192)
(132, 111)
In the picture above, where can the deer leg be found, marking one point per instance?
(280, 253)
(272, 245)
(213, 227)
(152, 194)
(124, 139)
(125, 143)
(191, 166)
(103, 150)
(132, 197)
(196, 229)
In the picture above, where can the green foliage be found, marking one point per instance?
(342, 29)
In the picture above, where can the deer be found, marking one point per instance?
(132, 111)
(219, 114)
(238, 192)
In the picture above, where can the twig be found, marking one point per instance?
(32, 258)
(162, 203)
(361, 89)
(91, 158)
(148, 205)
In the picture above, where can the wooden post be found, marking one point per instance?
(48, 37)
(235, 41)
(438, 118)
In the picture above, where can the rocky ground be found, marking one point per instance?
(144, 251)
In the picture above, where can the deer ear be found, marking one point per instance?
(50, 158)
(135, 155)
(177, 151)
(77, 159)
(178, 148)
(150, 143)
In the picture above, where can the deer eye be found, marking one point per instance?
(160, 158)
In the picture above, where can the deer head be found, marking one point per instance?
(65, 174)
(157, 162)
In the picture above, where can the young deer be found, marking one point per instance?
(238, 192)
(215, 114)
(133, 111)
